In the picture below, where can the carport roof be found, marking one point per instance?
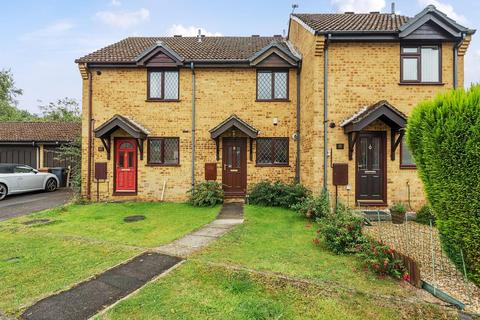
(39, 131)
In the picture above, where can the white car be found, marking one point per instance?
(20, 178)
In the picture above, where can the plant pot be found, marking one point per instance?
(397, 217)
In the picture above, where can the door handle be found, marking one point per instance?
(225, 167)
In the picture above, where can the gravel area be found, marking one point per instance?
(422, 243)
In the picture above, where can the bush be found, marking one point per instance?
(425, 214)
(398, 207)
(444, 136)
(314, 207)
(380, 259)
(342, 231)
(206, 194)
(277, 194)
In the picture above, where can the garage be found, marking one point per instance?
(19, 154)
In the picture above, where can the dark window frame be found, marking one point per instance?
(273, 163)
(405, 166)
(418, 55)
(162, 152)
(272, 97)
(163, 70)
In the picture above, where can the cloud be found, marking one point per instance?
(445, 8)
(125, 19)
(190, 31)
(115, 3)
(53, 30)
(358, 5)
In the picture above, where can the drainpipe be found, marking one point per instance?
(455, 61)
(89, 146)
(325, 112)
(297, 168)
(193, 124)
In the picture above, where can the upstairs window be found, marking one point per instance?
(406, 159)
(163, 151)
(272, 85)
(420, 64)
(162, 85)
(272, 151)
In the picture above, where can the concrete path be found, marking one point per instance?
(22, 204)
(88, 298)
(230, 216)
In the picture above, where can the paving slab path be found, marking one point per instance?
(88, 298)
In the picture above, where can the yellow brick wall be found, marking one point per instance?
(219, 94)
(359, 74)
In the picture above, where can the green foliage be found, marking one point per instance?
(206, 194)
(342, 231)
(381, 259)
(8, 102)
(73, 151)
(398, 207)
(63, 110)
(444, 136)
(314, 207)
(425, 214)
(277, 194)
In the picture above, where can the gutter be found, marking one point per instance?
(325, 112)
(297, 167)
(192, 66)
(455, 61)
(89, 146)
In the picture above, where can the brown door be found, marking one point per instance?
(370, 183)
(234, 177)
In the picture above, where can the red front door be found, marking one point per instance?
(125, 165)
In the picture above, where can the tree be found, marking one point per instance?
(8, 102)
(65, 110)
(444, 136)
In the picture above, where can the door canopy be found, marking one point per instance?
(126, 124)
(381, 110)
(233, 122)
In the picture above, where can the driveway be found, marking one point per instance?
(17, 205)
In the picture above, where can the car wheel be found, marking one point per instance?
(51, 185)
(3, 191)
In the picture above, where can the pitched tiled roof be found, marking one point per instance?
(189, 48)
(39, 131)
(352, 22)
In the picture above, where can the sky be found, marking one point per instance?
(40, 39)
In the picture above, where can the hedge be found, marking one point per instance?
(444, 137)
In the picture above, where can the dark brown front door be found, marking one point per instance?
(370, 184)
(234, 177)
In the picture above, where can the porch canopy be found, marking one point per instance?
(233, 122)
(382, 110)
(136, 131)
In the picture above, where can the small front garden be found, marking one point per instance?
(52, 250)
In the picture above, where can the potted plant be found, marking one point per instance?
(398, 211)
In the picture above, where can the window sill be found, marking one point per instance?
(162, 100)
(272, 165)
(408, 167)
(161, 165)
(421, 83)
(273, 100)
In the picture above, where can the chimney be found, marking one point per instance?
(199, 36)
(393, 7)
(349, 12)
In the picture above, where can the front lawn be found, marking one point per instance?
(268, 268)
(80, 241)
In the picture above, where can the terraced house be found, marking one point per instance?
(327, 105)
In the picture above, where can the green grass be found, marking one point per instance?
(81, 241)
(271, 242)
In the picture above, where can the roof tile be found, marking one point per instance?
(39, 131)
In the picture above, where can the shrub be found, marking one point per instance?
(342, 231)
(444, 136)
(314, 207)
(206, 194)
(277, 194)
(398, 207)
(425, 214)
(381, 259)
